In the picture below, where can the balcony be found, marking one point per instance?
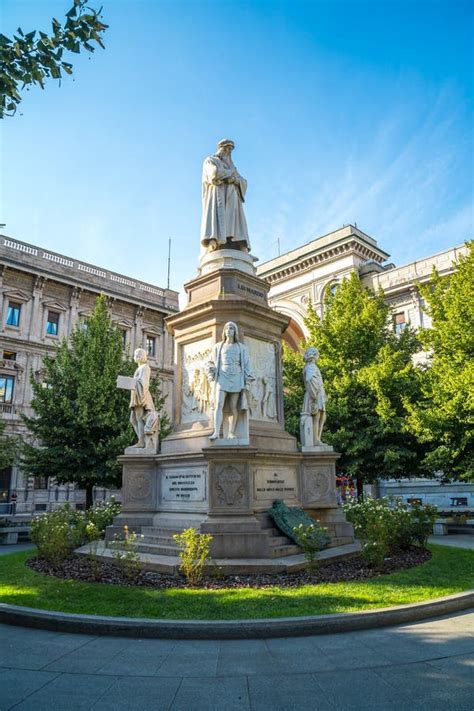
(9, 408)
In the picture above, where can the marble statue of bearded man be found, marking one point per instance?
(223, 194)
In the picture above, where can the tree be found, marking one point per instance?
(27, 59)
(82, 418)
(8, 447)
(443, 417)
(368, 376)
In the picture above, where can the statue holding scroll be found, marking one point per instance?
(144, 418)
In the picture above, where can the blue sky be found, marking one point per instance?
(341, 111)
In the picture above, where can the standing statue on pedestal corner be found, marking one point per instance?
(229, 370)
(143, 416)
(223, 194)
(313, 416)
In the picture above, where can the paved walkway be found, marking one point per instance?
(16, 548)
(456, 540)
(427, 666)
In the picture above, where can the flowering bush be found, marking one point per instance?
(58, 532)
(386, 525)
(194, 553)
(311, 538)
(125, 553)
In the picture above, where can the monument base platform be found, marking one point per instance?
(168, 564)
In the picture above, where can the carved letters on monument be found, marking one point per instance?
(196, 391)
(229, 486)
(275, 483)
(262, 391)
(183, 485)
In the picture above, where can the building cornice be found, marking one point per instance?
(50, 265)
(299, 264)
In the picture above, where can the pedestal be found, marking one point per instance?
(225, 487)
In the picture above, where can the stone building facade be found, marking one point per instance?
(307, 273)
(43, 295)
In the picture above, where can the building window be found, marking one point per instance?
(399, 322)
(5, 483)
(52, 325)
(6, 388)
(41, 482)
(13, 314)
(333, 288)
(151, 346)
(124, 337)
(9, 355)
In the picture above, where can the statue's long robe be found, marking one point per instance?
(140, 397)
(222, 204)
(315, 395)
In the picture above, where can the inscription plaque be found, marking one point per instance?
(181, 485)
(275, 483)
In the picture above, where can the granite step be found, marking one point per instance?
(239, 566)
(155, 548)
(284, 551)
(158, 539)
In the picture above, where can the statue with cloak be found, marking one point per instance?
(223, 195)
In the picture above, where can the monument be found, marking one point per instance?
(313, 415)
(143, 416)
(228, 457)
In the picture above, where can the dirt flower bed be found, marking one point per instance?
(81, 568)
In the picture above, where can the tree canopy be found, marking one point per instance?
(443, 417)
(368, 376)
(9, 447)
(31, 58)
(81, 421)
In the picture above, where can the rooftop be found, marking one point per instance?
(321, 249)
(26, 257)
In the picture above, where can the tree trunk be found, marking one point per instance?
(89, 495)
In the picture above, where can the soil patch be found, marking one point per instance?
(82, 569)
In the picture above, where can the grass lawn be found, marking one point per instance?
(451, 570)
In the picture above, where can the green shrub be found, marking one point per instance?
(125, 553)
(423, 518)
(385, 526)
(102, 513)
(58, 532)
(194, 553)
(311, 538)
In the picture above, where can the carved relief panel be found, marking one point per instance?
(319, 486)
(138, 490)
(229, 487)
(262, 392)
(196, 391)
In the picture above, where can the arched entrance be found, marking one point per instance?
(293, 335)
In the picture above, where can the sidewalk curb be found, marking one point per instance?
(233, 629)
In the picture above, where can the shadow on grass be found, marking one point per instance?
(449, 571)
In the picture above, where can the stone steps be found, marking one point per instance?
(239, 566)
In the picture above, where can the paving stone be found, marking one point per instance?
(462, 666)
(296, 692)
(17, 684)
(361, 689)
(90, 657)
(229, 694)
(427, 684)
(67, 692)
(132, 694)
(248, 664)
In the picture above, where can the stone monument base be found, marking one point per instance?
(226, 491)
